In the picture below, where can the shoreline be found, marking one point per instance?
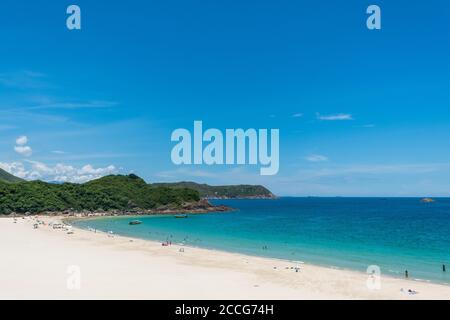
(69, 220)
(119, 267)
(201, 207)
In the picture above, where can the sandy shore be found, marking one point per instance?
(45, 263)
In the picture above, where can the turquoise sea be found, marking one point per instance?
(397, 234)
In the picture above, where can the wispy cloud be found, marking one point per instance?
(23, 79)
(20, 116)
(183, 173)
(371, 169)
(74, 105)
(297, 115)
(4, 127)
(59, 155)
(316, 158)
(335, 117)
(36, 99)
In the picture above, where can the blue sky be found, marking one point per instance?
(360, 113)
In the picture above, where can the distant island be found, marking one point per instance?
(115, 195)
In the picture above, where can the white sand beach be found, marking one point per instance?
(36, 264)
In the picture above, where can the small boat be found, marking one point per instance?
(179, 216)
(134, 222)
(427, 200)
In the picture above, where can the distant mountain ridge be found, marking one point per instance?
(242, 191)
(8, 177)
(115, 193)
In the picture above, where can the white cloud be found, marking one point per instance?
(23, 150)
(316, 158)
(15, 168)
(297, 115)
(58, 152)
(335, 117)
(33, 170)
(22, 140)
(21, 147)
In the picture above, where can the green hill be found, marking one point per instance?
(115, 192)
(7, 177)
(231, 191)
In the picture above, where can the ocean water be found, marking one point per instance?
(396, 234)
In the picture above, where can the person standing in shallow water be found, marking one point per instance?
(443, 268)
(406, 274)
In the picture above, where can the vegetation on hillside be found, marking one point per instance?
(7, 177)
(231, 191)
(115, 192)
